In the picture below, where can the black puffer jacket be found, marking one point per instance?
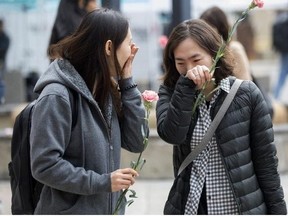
(245, 140)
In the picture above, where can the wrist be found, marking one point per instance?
(126, 84)
(134, 85)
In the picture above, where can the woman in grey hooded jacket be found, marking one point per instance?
(79, 165)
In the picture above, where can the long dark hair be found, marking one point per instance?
(206, 37)
(216, 17)
(85, 49)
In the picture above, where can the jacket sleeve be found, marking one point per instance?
(264, 154)
(174, 110)
(133, 119)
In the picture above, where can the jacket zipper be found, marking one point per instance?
(110, 148)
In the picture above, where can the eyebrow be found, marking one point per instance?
(191, 57)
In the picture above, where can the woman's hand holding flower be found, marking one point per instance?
(219, 54)
(199, 75)
(123, 179)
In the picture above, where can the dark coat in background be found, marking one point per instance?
(280, 33)
(68, 18)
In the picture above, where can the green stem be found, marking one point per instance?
(138, 161)
(117, 208)
(122, 196)
(219, 55)
(135, 166)
(197, 102)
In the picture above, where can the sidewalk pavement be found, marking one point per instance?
(151, 194)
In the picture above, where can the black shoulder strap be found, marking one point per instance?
(73, 96)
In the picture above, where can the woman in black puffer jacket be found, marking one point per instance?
(237, 172)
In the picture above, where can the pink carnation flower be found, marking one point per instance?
(150, 96)
(259, 3)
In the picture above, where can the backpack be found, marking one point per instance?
(25, 189)
(280, 33)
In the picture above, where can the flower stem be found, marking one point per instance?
(219, 55)
(135, 166)
(122, 196)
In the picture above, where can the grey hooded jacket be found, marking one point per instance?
(75, 166)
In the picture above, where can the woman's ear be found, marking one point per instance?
(108, 47)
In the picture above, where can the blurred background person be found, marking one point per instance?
(30, 81)
(280, 44)
(69, 16)
(4, 45)
(245, 34)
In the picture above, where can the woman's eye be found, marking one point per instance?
(180, 64)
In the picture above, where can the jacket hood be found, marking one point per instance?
(62, 71)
